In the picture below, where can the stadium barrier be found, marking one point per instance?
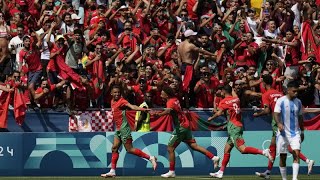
(50, 121)
(89, 154)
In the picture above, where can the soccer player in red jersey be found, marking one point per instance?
(269, 99)
(231, 105)
(181, 131)
(123, 132)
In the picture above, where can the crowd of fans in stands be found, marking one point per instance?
(68, 54)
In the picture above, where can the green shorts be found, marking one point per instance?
(181, 134)
(235, 135)
(124, 134)
(274, 127)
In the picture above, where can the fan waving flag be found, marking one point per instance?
(20, 106)
(309, 46)
(4, 108)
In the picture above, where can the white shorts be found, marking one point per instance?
(283, 142)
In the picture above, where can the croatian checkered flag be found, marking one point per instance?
(91, 121)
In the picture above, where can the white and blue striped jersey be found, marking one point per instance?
(289, 111)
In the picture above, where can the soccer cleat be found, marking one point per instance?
(264, 175)
(153, 160)
(310, 166)
(215, 160)
(266, 153)
(170, 174)
(218, 174)
(109, 175)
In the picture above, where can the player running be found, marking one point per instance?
(123, 133)
(288, 115)
(181, 131)
(269, 99)
(231, 105)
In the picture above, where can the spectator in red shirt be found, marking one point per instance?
(204, 91)
(45, 94)
(30, 55)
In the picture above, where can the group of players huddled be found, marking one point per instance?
(287, 127)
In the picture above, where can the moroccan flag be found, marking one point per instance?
(4, 108)
(164, 123)
(308, 46)
(65, 72)
(198, 124)
(313, 123)
(20, 106)
(98, 78)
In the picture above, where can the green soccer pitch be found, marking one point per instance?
(240, 177)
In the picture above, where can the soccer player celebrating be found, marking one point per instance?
(269, 99)
(231, 105)
(181, 131)
(288, 115)
(123, 133)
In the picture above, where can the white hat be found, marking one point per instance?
(123, 7)
(189, 32)
(59, 37)
(75, 17)
(204, 16)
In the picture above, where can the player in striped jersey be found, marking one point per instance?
(269, 99)
(288, 115)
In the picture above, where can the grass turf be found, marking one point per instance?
(240, 177)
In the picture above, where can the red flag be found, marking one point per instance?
(97, 78)
(312, 124)
(20, 106)
(4, 108)
(309, 46)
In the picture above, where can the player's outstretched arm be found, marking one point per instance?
(217, 114)
(137, 108)
(165, 112)
(265, 111)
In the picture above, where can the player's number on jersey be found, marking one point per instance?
(236, 108)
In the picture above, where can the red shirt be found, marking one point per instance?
(81, 98)
(270, 98)
(138, 94)
(117, 107)
(47, 100)
(205, 96)
(179, 118)
(232, 106)
(31, 58)
(275, 85)
(163, 26)
(251, 58)
(294, 52)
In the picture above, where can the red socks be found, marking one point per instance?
(114, 160)
(139, 153)
(252, 150)
(225, 161)
(273, 154)
(301, 156)
(172, 166)
(209, 155)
